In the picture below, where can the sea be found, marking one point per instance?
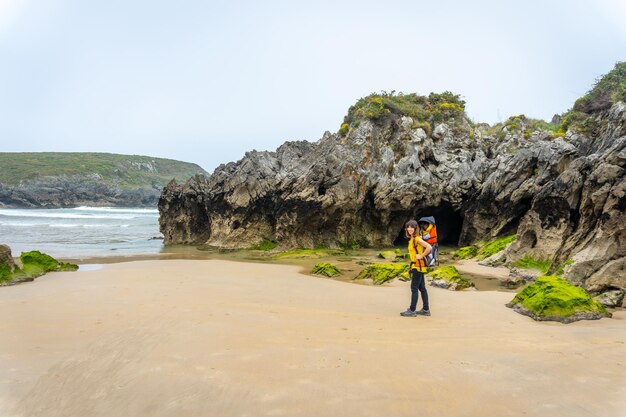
(82, 232)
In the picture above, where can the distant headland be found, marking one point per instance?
(59, 179)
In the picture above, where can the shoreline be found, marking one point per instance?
(351, 263)
(215, 337)
(485, 278)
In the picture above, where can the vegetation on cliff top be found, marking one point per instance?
(124, 171)
(553, 298)
(521, 125)
(425, 111)
(608, 90)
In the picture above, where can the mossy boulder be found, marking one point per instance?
(391, 255)
(6, 274)
(448, 277)
(465, 252)
(7, 265)
(551, 298)
(9, 272)
(494, 247)
(381, 273)
(326, 269)
(35, 263)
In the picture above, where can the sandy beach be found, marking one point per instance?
(219, 338)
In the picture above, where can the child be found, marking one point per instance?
(418, 249)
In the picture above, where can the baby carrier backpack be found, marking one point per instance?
(430, 235)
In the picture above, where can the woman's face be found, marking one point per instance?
(410, 230)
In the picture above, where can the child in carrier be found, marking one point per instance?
(428, 232)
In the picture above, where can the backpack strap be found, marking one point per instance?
(421, 263)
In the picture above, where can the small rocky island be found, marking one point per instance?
(559, 187)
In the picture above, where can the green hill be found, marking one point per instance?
(123, 171)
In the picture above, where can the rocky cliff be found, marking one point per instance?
(53, 180)
(560, 187)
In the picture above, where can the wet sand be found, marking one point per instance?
(219, 338)
(473, 267)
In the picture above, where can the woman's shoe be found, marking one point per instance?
(408, 313)
(423, 312)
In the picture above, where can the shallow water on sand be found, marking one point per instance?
(485, 283)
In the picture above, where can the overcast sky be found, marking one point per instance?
(206, 81)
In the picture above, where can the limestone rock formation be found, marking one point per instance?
(563, 193)
(6, 258)
(580, 214)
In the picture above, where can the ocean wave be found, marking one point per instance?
(117, 210)
(54, 215)
(80, 232)
(19, 224)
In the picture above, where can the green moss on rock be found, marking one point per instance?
(265, 245)
(553, 298)
(391, 255)
(309, 253)
(36, 263)
(381, 273)
(5, 273)
(494, 247)
(561, 269)
(465, 252)
(528, 262)
(326, 269)
(448, 277)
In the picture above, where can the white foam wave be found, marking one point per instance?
(56, 215)
(18, 224)
(117, 210)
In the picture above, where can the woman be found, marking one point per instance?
(418, 249)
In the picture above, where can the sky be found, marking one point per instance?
(206, 81)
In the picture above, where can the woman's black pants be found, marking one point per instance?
(418, 286)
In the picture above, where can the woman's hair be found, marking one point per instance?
(411, 223)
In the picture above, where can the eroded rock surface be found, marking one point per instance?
(565, 197)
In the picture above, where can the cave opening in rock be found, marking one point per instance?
(449, 224)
